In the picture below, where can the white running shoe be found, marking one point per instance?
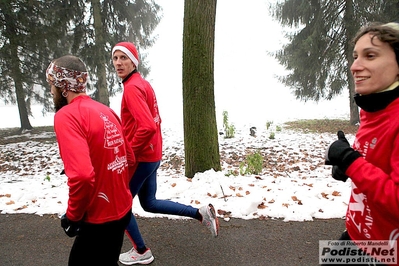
(133, 257)
(209, 219)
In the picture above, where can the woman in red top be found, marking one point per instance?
(142, 127)
(96, 161)
(372, 163)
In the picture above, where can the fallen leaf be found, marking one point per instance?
(262, 206)
(324, 195)
(21, 208)
(336, 193)
(294, 198)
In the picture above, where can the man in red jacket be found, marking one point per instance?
(142, 126)
(96, 161)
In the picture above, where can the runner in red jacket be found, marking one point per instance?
(96, 161)
(142, 127)
(372, 163)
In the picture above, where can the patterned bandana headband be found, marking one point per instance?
(64, 78)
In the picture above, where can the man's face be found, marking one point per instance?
(59, 100)
(122, 63)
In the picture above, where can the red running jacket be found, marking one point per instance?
(373, 210)
(140, 119)
(96, 161)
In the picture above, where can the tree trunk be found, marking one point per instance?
(201, 144)
(354, 110)
(22, 108)
(102, 94)
(351, 29)
(16, 75)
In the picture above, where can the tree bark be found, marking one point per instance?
(350, 33)
(102, 94)
(22, 108)
(16, 75)
(200, 129)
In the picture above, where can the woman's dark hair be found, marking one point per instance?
(388, 33)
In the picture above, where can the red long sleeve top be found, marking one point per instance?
(96, 161)
(140, 119)
(373, 210)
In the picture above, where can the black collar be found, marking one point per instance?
(128, 76)
(376, 101)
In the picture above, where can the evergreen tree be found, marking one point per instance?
(200, 130)
(32, 33)
(27, 31)
(99, 25)
(319, 53)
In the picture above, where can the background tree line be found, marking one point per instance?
(318, 56)
(34, 32)
(318, 53)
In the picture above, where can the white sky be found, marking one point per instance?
(245, 76)
(245, 83)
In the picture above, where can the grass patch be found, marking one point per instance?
(15, 135)
(323, 126)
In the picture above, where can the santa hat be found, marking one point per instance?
(129, 49)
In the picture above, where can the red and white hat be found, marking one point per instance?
(129, 49)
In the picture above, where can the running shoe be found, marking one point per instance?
(209, 219)
(133, 257)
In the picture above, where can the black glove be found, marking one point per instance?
(70, 228)
(338, 174)
(340, 153)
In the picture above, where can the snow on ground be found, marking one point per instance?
(294, 185)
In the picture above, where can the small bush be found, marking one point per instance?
(268, 124)
(231, 172)
(253, 164)
(272, 135)
(229, 130)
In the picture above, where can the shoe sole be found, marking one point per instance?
(143, 262)
(213, 213)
